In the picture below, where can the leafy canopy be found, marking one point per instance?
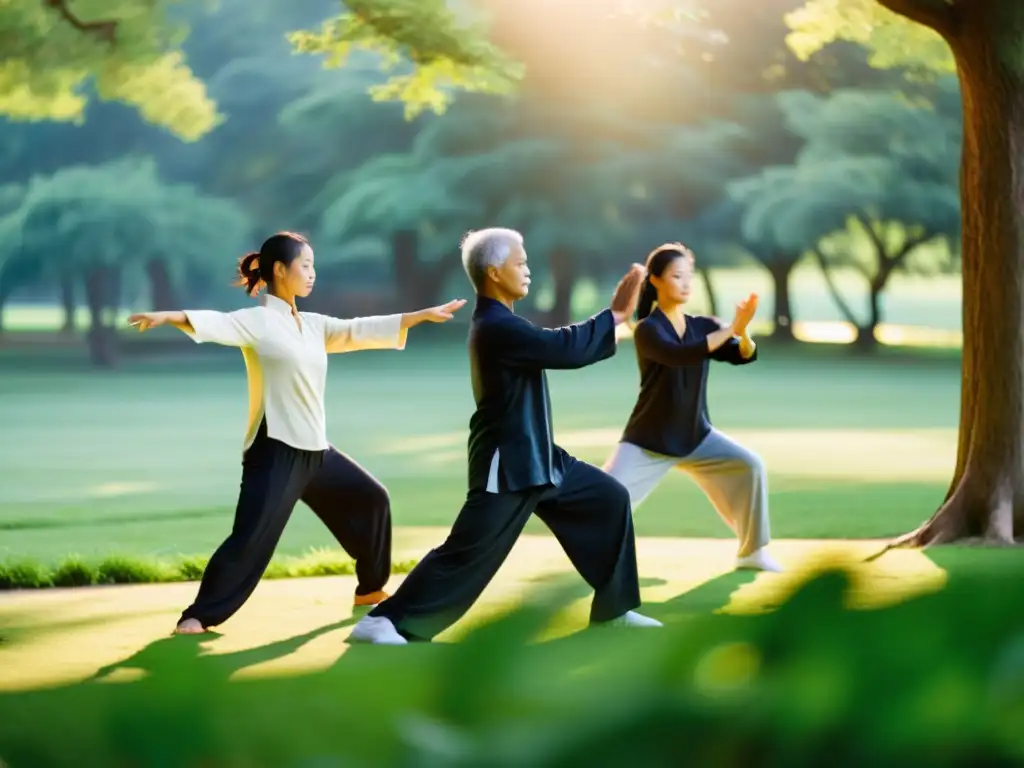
(446, 50)
(124, 50)
(894, 41)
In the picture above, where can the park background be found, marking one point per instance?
(826, 184)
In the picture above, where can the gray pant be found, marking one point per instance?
(732, 477)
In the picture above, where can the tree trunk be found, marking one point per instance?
(405, 252)
(6, 289)
(986, 495)
(866, 338)
(160, 288)
(67, 302)
(563, 273)
(102, 340)
(709, 289)
(419, 283)
(781, 269)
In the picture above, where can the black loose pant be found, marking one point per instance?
(589, 514)
(352, 504)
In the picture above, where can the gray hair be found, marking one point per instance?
(487, 248)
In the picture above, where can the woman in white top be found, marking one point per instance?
(286, 456)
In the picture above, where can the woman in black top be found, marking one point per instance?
(669, 426)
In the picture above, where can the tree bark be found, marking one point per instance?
(986, 495)
(781, 269)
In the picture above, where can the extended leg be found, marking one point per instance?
(590, 515)
(273, 477)
(736, 483)
(356, 509)
(446, 583)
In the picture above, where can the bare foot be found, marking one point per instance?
(189, 627)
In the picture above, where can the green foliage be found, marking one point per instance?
(120, 213)
(445, 51)
(680, 199)
(894, 41)
(868, 155)
(55, 53)
(937, 681)
(487, 162)
(75, 571)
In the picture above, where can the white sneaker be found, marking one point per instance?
(376, 630)
(760, 560)
(633, 619)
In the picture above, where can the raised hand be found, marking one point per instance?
(745, 311)
(627, 292)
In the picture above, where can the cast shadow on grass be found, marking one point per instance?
(168, 655)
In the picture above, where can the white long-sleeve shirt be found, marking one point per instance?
(286, 361)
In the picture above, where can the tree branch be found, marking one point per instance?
(826, 271)
(103, 30)
(936, 14)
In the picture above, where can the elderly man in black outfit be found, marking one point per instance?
(515, 469)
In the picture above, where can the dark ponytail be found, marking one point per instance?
(648, 297)
(249, 273)
(657, 262)
(256, 269)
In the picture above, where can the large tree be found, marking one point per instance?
(984, 41)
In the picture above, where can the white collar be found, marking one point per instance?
(277, 305)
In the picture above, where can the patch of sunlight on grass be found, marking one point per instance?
(61, 636)
(915, 336)
(110, 490)
(888, 580)
(832, 332)
(839, 454)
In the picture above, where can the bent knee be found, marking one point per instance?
(616, 494)
(380, 498)
(754, 466)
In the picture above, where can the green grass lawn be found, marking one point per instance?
(145, 460)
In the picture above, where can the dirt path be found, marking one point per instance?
(60, 636)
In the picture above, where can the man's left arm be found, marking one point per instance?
(520, 343)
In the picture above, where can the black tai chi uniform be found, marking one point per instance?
(516, 470)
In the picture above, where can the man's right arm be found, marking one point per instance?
(519, 343)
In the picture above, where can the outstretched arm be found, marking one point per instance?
(231, 329)
(520, 343)
(380, 332)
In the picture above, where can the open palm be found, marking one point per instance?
(443, 313)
